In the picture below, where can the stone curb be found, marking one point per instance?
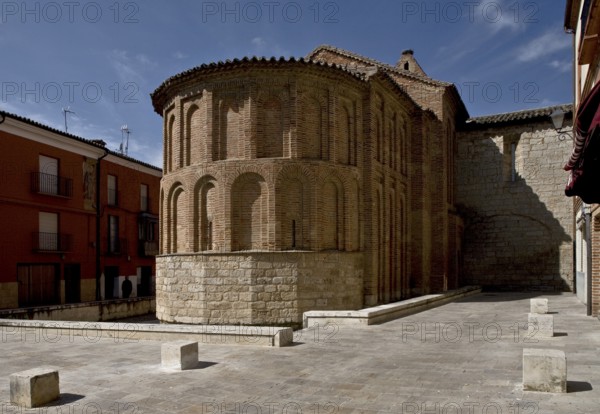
(385, 313)
(133, 332)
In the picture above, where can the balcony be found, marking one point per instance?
(49, 184)
(147, 248)
(116, 247)
(52, 242)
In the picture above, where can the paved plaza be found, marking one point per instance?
(463, 357)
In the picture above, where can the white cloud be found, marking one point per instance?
(259, 43)
(130, 68)
(563, 66)
(263, 47)
(544, 45)
(180, 55)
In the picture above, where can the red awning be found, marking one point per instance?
(584, 164)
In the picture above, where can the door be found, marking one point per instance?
(111, 275)
(72, 283)
(38, 284)
(145, 286)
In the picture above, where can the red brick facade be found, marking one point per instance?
(48, 214)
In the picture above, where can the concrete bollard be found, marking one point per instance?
(540, 326)
(180, 355)
(35, 387)
(544, 370)
(539, 305)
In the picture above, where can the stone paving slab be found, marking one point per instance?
(465, 355)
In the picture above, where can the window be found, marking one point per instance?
(48, 232)
(113, 198)
(510, 158)
(146, 230)
(47, 181)
(144, 197)
(114, 245)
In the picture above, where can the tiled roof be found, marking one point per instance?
(235, 63)
(528, 114)
(396, 70)
(94, 143)
(377, 63)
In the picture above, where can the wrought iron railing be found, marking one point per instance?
(52, 242)
(43, 183)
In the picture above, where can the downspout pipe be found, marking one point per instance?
(587, 214)
(98, 219)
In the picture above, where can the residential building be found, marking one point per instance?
(68, 237)
(582, 20)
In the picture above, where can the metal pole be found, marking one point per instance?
(588, 242)
(98, 219)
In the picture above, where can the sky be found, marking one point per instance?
(100, 60)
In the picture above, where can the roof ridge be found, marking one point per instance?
(254, 59)
(524, 111)
(87, 141)
(376, 62)
(520, 115)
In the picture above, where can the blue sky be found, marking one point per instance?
(102, 59)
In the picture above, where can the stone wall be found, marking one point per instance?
(518, 222)
(253, 288)
(88, 312)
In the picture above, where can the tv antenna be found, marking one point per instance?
(125, 130)
(66, 111)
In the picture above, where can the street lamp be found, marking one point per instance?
(558, 120)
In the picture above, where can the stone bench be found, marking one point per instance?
(179, 355)
(35, 387)
(539, 305)
(540, 326)
(544, 370)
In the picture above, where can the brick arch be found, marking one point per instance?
(207, 218)
(229, 142)
(169, 142)
(249, 213)
(314, 142)
(270, 126)
(403, 137)
(162, 209)
(195, 149)
(294, 208)
(378, 137)
(176, 219)
(344, 131)
(331, 214)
